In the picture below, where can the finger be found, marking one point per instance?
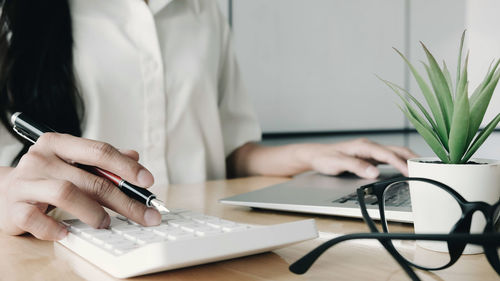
(344, 163)
(403, 152)
(65, 195)
(132, 154)
(109, 195)
(29, 218)
(95, 153)
(370, 150)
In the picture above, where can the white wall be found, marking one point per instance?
(483, 23)
(309, 65)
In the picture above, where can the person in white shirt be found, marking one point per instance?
(156, 79)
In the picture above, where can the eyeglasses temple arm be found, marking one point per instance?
(303, 264)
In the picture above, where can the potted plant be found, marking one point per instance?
(452, 130)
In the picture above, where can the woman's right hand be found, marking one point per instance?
(45, 176)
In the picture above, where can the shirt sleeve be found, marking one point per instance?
(9, 147)
(238, 118)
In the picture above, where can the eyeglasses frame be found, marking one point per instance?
(463, 225)
(457, 239)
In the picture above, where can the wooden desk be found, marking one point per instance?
(26, 258)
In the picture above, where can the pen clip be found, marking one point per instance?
(21, 133)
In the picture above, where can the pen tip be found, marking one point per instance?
(163, 209)
(159, 206)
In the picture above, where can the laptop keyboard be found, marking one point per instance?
(396, 197)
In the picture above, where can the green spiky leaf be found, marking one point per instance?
(460, 49)
(478, 109)
(398, 89)
(428, 136)
(459, 131)
(489, 74)
(481, 137)
(461, 120)
(447, 75)
(440, 86)
(430, 99)
(451, 130)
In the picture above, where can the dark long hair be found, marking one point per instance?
(36, 65)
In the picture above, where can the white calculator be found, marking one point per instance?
(184, 238)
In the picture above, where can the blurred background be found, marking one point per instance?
(309, 65)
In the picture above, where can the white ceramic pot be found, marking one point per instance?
(437, 212)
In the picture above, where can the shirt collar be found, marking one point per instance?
(157, 5)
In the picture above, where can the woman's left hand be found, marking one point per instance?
(358, 156)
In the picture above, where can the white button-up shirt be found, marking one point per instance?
(161, 79)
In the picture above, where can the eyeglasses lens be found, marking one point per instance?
(434, 211)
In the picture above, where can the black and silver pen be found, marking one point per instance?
(31, 131)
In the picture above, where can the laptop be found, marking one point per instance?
(316, 193)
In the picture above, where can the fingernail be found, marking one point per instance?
(152, 217)
(105, 222)
(145, 178)
(62, 233)
(372, 172)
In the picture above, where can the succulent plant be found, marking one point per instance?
(452, 128)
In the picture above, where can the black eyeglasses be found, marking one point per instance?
(454, 241)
